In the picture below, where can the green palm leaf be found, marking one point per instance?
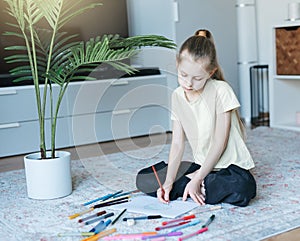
(51, 10)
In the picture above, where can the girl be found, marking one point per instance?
(204, 111)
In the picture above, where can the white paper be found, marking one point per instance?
(152, 206)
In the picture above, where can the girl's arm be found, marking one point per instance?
(175, 156)
(219, 143)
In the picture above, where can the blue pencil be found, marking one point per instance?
(103, 198)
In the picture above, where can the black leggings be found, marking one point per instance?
(232, 185)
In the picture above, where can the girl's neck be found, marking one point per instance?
(192, 96)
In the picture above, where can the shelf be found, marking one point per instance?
(287, 77)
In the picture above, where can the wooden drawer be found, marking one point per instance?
(107, 95)
(19, 104)
(99, 127)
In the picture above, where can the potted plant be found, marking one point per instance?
(51, 56)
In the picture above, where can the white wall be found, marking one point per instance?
(269, 13)
(159, 17)
(220, 18)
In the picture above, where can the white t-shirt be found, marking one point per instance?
(198, 119)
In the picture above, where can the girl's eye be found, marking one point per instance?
(183, 75)
(198, 79)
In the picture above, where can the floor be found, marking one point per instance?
(16, 162)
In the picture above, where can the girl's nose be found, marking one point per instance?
(189, 82)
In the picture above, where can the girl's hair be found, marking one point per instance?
(201, 46)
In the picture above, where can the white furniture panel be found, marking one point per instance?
(18, 103)
(23, 136)
(107, 95)
(92, 111)
(247, 49)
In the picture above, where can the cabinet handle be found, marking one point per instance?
(10, 125)
(121, 112)
(116, 83)
(8, 92)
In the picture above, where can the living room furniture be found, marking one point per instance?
(285, 76)
(91, 112)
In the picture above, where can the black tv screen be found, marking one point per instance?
(110, 18)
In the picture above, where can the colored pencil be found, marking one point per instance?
(172, 225)
(118, 217)
(81, 213)
(76, 234)
(157, 178)
(202, 230)
(91, 216)
(111, 203)
(111, 200)
(179, 219)
(103, 198)
(130, 236)
(100, 235)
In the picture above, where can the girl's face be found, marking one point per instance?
(192, 75)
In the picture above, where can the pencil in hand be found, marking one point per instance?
(159, 183)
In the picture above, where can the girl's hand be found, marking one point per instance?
(163, 195)
(193, 188)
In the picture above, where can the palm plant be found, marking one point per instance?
(52, 56)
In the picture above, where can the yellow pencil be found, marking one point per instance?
(100, 235)
(81, 213)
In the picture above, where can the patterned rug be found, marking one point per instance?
(275, 209)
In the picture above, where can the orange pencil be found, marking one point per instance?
(159, 183)
(157, 178)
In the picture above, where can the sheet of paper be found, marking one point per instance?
(147, 205)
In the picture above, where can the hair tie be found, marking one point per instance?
(201, 33)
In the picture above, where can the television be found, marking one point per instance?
(110, 18)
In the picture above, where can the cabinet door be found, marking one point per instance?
(23, 137)
(119, 124)
(125, 93)
(19, 104)
(19, 138)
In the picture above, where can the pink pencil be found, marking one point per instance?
(202, 230)
(172, 225)
(179, 219)
(129, 236)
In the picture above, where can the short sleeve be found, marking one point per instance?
(173, 106)
(226, 98)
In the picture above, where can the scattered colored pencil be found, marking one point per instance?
(100, 235)
(118, 217)
(202, 230)
(81, 213)
(91, 216)
(157, 178)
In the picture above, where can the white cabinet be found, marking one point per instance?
(285, 78)
(113, 109)
(91, 111)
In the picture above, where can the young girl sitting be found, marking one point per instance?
(204, 111)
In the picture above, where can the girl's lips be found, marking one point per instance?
(188, 88)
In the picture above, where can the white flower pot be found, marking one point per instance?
(48, 178)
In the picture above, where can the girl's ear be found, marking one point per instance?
(177, 62)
